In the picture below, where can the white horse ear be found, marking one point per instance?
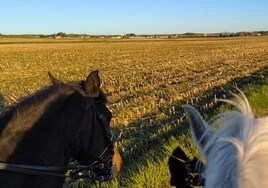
(201, 132)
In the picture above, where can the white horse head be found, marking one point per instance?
(237, 153)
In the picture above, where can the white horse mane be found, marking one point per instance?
(237, 154)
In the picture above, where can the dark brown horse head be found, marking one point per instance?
(61, 122)
(94, 142)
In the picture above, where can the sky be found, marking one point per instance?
(112, 17)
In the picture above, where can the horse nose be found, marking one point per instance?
(117, 161)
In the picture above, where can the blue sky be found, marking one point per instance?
(137, 16)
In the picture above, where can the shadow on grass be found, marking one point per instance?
(2, 103)
(145, 139)
(148, 136)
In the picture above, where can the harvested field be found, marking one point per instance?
(146, 80)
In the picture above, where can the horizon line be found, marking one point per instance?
(224, 32)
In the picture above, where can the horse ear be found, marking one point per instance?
(92, 84)
(53, 79)
(179, 153)
(201, 132)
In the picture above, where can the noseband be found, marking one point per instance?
(88, 172)
(76, 171)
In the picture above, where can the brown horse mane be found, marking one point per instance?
(22, 116)
(24, 105)
(42, 98)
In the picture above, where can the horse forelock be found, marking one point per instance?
(237, 154)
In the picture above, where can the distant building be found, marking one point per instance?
(58, 37)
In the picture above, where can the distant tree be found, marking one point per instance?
(130, 35)
(43, 36)
(61, 34)
(264, 33)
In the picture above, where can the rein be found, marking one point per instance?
(33, 170)
(76, 172)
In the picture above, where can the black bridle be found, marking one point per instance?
(76, 171)
(88, 172)
(99, 164)
(184, 171)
